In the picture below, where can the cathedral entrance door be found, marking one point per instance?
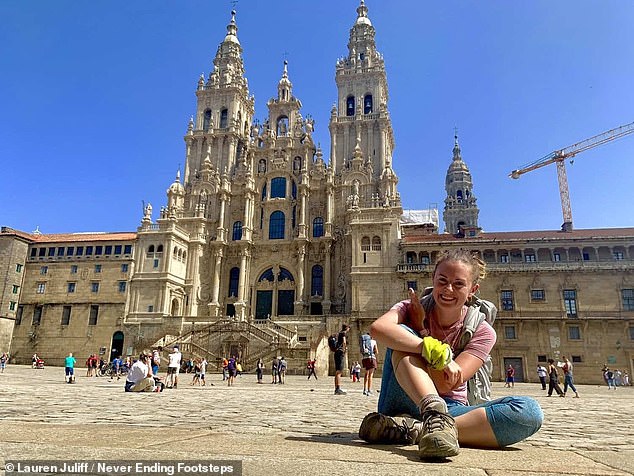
(263, 304)
(285, 299)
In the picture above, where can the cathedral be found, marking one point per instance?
(264, 247)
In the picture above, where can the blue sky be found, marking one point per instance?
(95, 98)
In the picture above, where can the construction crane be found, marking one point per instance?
(559, 157)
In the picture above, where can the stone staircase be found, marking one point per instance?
(264, 339)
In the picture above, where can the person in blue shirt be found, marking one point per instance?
(69, 364)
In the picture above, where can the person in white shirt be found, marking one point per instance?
(542, 373)
(173, 367)
(203, 369)
(140, 377)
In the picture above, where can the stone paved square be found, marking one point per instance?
(296, 428)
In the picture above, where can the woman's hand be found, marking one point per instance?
(448, 378)
(416, 309)
(453, 374)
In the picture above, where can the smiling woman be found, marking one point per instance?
(426, 371)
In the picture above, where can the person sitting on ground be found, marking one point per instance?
(140, 378)
(422, 379)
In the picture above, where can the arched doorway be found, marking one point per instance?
(117, 345)
(275, 293)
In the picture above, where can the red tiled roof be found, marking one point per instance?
(502, 236)
(83, 237)
(71, 237)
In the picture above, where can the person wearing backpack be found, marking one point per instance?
(429, 362)
(369, 352)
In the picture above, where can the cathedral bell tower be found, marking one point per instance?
(367, 203)
(461, 212)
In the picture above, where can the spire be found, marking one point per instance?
(456, 146)
(284, 87)
(362, 12)
(228, 64)
(232, 29)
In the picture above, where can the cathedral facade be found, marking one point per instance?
(264, 248)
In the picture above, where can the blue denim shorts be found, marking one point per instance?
(511, 418)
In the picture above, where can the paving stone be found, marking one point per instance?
(292, 429)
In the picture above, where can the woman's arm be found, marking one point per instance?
(386, 329)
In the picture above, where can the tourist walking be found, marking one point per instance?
(424, 379)
(203, 371)
(542, 373)
(232, 370)
(340, 356)
(281, 370)
(609, 378)
(156, 360)
(510, 377)
(568, 378)
(5, 358)
(259, 369)
(369, 362)
(69, 368)
(310, 365)
(274, 368)
(553, 379)
(173, 368)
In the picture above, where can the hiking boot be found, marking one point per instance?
(340, 391)
(440, 437)
(399, 430)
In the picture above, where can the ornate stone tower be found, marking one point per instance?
(461, 212)
(367, 204)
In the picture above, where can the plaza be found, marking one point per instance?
(293, 429)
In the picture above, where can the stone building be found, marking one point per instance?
(73, 296)
(264, 248)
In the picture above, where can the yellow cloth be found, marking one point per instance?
(436, 353)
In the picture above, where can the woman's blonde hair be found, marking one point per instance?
(478, 267)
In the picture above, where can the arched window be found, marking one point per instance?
(175, 252)
(367, 104)
(276, 225)
(278, 187)
(365, 244)
(410, 257)
(376, 243)
(282, 126)
(223, 118)
(206, 119)
(234, 278)
(318, 227)
(267, 276)
(150, 249)
(159, 249)
(285, 274)
(459, 194)
(317, 281)
(237, 231)
(350, 106)
(184, 255)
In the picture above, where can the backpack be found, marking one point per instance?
(478, 311)
(365, 346)
(332, 342)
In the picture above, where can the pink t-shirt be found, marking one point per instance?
(479, 346)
